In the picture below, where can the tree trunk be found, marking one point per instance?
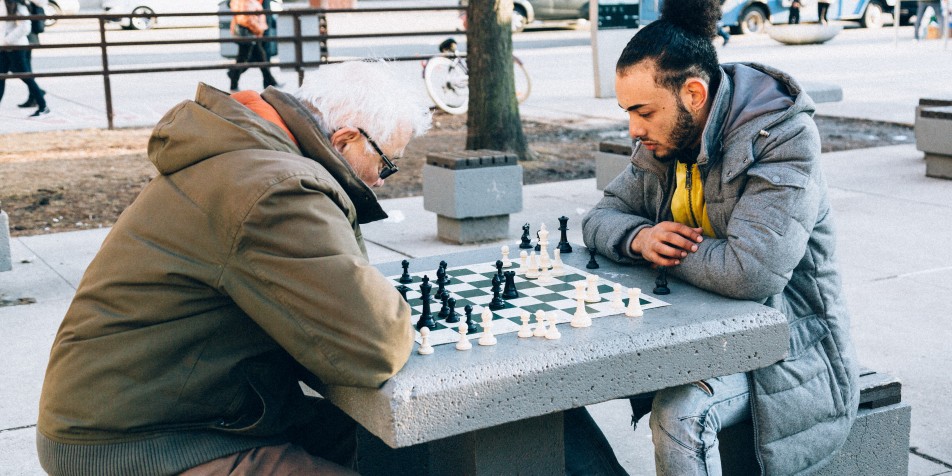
(493, 121)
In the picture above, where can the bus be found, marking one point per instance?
(752, 16)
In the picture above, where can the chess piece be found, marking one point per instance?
(592, 294)
(426, 319)
(523, 267)
(425, 347)
(499, 267)
(445, 279)
(463, 342)
(440, 289)
(617, 303)
(497, 302)
(524, 331)
(592, 264)
(540, 329)
(558, 267)
(526, 243)
(661, 283)
(405, 277)
(553, 332)
(470, 325)
(403, 292)
(580, 318)
(533, 271)
(564, 245)
(634, 303)
(509, 291)
(487, 322)
(545, 276)
(543, 250)
(451, 315)
(506, 263)
(444, 309)
(538, 246)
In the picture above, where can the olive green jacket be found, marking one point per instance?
(238, 270)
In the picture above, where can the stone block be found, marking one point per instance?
(934, 129)
(472, 193)
(608, 166)
(939, 166)
(6, 262)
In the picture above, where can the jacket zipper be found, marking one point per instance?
(753, 421)
(688, 180)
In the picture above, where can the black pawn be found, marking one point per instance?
(592, 264)
(405, 277)
(661, 282)
(538, 246)
(444, 310)
(426, 319)
(403, 292)
(564, 246)
(526, 241)
(441, 274)
(470, 327)
(452, 316)
(509, 290)
(499, 270)
(497, 303)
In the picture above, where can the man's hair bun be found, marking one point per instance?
(698, 17)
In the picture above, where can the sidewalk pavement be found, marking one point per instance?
(893, 254)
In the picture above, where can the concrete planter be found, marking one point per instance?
(803, 34)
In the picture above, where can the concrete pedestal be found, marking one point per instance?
(6, 263)
(934, 136)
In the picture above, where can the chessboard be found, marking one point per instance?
(472, 284)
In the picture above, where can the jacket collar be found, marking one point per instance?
(314, 144)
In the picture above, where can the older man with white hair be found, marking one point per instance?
(238, 272)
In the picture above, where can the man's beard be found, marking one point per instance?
(684, 135)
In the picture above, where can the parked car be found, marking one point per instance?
(145, 8)
(525, 12)
(60, 7)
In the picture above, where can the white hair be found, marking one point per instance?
(366, 95)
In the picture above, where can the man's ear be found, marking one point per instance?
(694, 94)
(343, 137)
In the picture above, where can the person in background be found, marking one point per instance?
(723, 33)
(238, 272)
(921, 8)
(35, 7)
(822, 7)
(794, 18)
(725, 188)
(253, 25)
(14, 33)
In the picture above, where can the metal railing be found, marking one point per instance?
(296, 39)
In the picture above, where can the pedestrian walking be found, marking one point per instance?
(14, 33)
(250, 26)
(794, 18)
(922, 8)
(821, 9)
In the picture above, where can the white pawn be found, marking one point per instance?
(592, 295)
(425, 347)
(463, 342)
(617, 303)
(524, 331)
(558, 268)
(540, 324)
(487, 322)
(505, 257)
(553, 332)
(533, 271)
(634, 303)
(523, 267)
(580, 318)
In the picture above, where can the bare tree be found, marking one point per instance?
(493, 121)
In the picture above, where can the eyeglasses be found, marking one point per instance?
(389, 168)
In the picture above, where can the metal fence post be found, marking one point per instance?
(105, 71)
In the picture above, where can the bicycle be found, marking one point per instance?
(447, 79)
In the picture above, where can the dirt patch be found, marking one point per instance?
(75, 180)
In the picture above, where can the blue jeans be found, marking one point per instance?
(685, 421)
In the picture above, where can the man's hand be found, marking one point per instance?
(666, 243)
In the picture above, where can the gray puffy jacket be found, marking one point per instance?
(767, 202)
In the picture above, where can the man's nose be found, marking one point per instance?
(635, 130)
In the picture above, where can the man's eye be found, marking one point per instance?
(645, 114)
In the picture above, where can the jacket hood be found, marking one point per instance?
(214, 124)
(751, 97)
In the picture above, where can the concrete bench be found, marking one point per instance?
(472, 193)
(6, 262)
(934, 135)
(877, 444)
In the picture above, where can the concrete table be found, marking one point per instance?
(498, 410)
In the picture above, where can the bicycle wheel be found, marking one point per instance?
(448, 84)
(523, 84)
